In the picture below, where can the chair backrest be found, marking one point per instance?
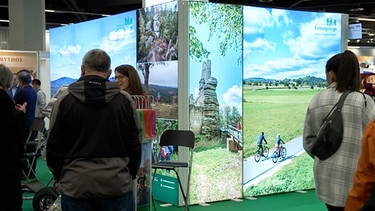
(37, 125)
(184, 138)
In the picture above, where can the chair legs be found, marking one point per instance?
(152, 195)
(184, 195)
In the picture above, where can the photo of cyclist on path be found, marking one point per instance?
(278, 143)
(260, 141)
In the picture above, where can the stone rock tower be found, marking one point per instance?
(204, 112)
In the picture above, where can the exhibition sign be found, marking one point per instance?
(166, 185)
(18, 60)
(355, 31)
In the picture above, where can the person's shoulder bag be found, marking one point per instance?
(330, 134)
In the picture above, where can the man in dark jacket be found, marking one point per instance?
(94, 142)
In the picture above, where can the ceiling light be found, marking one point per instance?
(265, 1)
(366, 19)
(357, 9)
(5, 21)
(49, 10)
(371, 34)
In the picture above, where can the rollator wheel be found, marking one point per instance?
(44, 198)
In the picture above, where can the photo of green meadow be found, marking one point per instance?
(283, 68)
(277, 109)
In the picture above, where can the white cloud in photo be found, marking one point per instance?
(164, 74)
(280, 17)
(196, 92)
(287, 34)
(116, 41)
(120, 34)
(284, 68)
(309, 44)
(253, 25)
(54, 49)
(309, 48)
(69, 50)
(233, 97)
(126, 57)
(260, 45)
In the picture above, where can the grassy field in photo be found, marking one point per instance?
(217, 173)
(274, 111)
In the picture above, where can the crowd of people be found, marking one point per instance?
(94, 140)
(79, 152)
(18, 107)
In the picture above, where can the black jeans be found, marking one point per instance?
(122, 203)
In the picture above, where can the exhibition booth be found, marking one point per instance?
(227, 73)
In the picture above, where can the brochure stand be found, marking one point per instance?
(147, 116)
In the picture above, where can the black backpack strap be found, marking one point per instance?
(341, 100)
(364, 97)
(337, 106)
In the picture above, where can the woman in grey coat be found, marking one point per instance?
(334, 175)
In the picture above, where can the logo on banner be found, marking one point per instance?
(330, 26)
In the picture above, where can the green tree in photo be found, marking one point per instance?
(225, 22)
(156, 44)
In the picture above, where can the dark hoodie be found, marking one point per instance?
(94, 142)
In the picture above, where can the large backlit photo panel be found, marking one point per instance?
(157, 55)
(157, 62)
(284, 66)
(114, 34)
(215, 100)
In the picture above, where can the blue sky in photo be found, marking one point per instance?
(225, 69)
(281, 44)
(164, 74)
(114, 34)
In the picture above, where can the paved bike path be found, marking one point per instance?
(252, 171)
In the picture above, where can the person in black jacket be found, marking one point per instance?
(94, 141)
(12, 130)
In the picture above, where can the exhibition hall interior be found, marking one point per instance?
(229, 71)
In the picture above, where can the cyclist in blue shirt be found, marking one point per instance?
(260, 141)
(278, 143)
